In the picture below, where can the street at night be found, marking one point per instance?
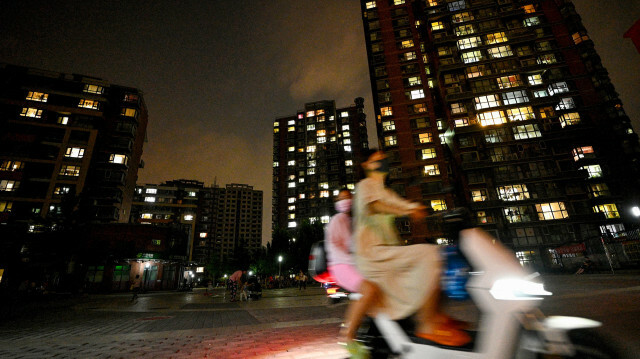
(285, 323)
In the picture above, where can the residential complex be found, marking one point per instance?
(316, 152)
(506, 102)
(217, 223)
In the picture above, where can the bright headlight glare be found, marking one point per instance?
(517, 289)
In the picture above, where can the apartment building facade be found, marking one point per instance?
(506, 102)
(316, 152)
(67, 136)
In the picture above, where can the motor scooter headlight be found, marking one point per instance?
(517, 289)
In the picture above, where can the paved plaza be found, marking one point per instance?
(285, 323)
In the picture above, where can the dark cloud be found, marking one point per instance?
(217, 73)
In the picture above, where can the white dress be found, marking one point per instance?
(405, 274)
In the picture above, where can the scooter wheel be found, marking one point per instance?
(588, 345)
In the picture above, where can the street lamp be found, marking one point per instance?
(279, 264)
(635, 210)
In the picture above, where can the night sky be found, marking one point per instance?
(216, 73)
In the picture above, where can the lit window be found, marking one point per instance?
(74, 152)
(487, 101)
(461, 122)
(516, 214)
(579, 37)
(535, 79)
(388, 125)
(469, 42)
(540, 93)
(343, 114)
(479, 195)
(203, 234)
(37, 96)
(370, 4)
(526, 131)
(437, 25)
(276, 130)
(406, 44)
(462, 17)
(322, 139)
(149, 199)
(321, 133)
(407, 56)
(463, 30)
(129, 112)
(510, 98)
(291, 128)
(311, 127)
(532, 21)
(471, 56)
(9, 185)
(457, 5)
(146, 216)
(93, 89)
(565, 104)
(579, 152)
(151, 190)
(416, 94)
(276, 163)
(291, 122)
(291, 200)
(311, 171)
(311, 113)
(311, 149)
(427, 153)
(63, 120)
(292, 208)
(350, 186)
(520, 114)
(31, 112)
(568, 119)
(413, 81)
(492, 118)
(312, 163)
(276, 124)
(506, 82)
(516, 192)
(496, 38)
(500, 51)
(91, 104)
(291, 185)
(390, 140)
(291, 163)
(599, 189)
(188, 217)
(458, 108)
(438, 205)
(348, 163)
(593, 171)
(528, 9)
(325, 219)
(431, 170)
(292, 216)
(610, 210)
(547, 59)
(347, 148)
(67, 170)
(324, 194)
(386, 111)
(558, 87)
(483, 218)
(425, 137)
(11, 166)
(552, 210)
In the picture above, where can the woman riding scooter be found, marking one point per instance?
(408, 276)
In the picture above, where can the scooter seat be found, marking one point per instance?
(465, 348)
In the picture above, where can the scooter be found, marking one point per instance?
(511, 325)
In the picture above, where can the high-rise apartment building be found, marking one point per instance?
(218, 223)
(237, 230)
(68, 143)
(316, 152)
(507, 102)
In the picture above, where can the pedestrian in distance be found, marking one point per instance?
(135, 287)
(235, 281)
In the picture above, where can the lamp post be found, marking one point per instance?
(279, 265)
